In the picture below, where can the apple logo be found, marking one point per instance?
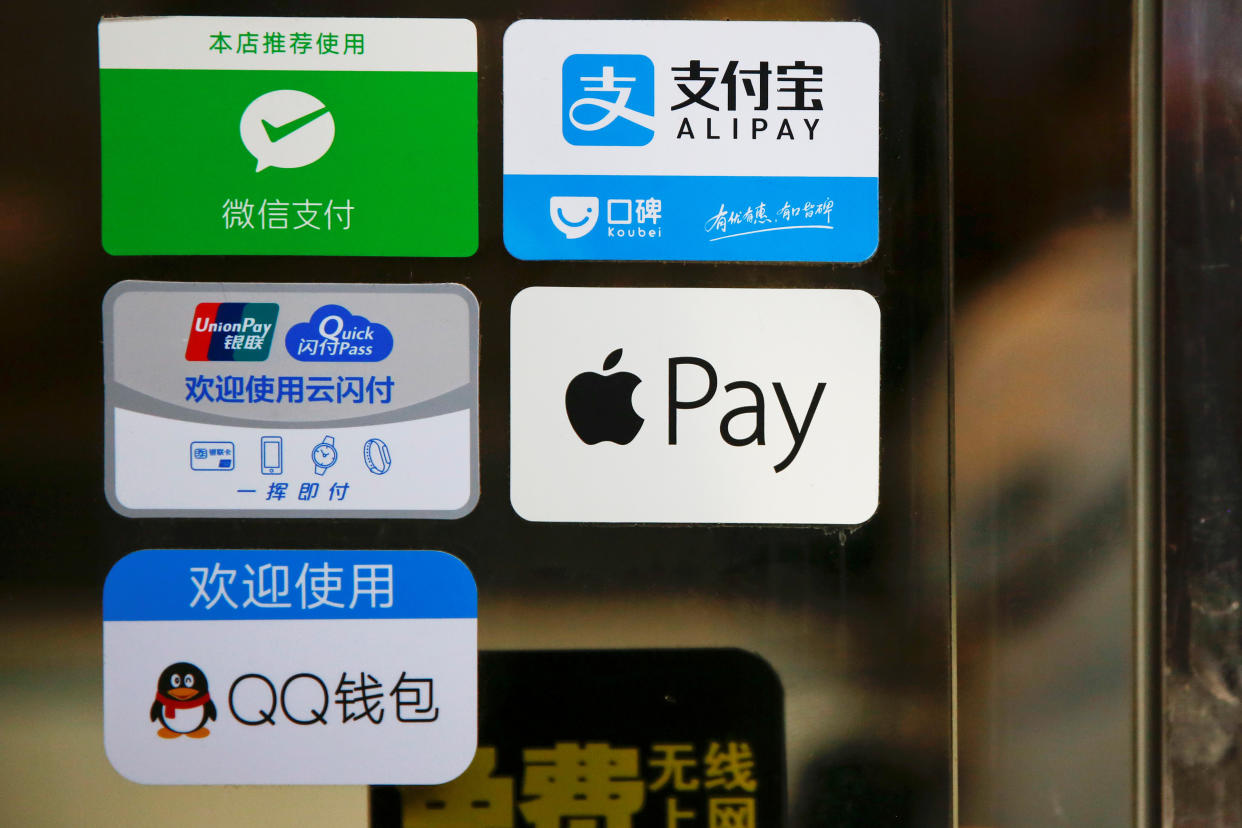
(601, 407)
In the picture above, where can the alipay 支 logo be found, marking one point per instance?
(608, 100)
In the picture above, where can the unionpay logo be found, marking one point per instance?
(231, 331)
(681, 405)
(608, 100)
(287, 128)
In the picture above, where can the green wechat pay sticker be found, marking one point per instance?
(311, 136)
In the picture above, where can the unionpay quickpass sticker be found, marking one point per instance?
(265, 400)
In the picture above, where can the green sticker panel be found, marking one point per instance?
(349, 162)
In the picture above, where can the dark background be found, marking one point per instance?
(854, 622)
(690, 697)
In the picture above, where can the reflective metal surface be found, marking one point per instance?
(1203, 413)
(1043, 398)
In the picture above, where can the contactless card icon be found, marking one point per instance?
(212, 455)
(608, 100)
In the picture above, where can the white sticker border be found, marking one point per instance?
(396, 44)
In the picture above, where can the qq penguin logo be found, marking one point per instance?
(182, 703)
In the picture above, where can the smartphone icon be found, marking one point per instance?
(271, 454)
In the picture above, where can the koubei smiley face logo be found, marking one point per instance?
(182, 703)
(575, 216)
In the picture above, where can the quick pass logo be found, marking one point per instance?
(709, 411)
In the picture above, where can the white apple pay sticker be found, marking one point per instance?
(277, 667)
(685, 405)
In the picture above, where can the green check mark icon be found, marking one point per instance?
(275, 133)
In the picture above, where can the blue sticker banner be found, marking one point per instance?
(253, 584)
(691, 218)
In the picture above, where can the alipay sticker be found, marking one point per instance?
(691, 140)
(266, 400)
(254, 667)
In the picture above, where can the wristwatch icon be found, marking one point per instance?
(323, 455)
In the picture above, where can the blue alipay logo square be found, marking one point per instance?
(608, 100)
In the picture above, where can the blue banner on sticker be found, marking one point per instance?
(692, 218)
(253, 584)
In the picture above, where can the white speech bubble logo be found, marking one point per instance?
(574, 216)
(287, 128)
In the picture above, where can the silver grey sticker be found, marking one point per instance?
(278, 400)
